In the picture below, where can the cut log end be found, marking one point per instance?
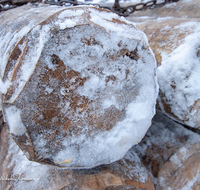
(79, 88)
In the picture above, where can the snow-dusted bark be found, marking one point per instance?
(171, 153)
(176, 44)
(128, 173)
(179, 78)
(79, 85)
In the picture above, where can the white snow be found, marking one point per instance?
(113, 144)
(170, 5)
(70, 13)
(103, 19)
(29, 174)
(181, 68)
(91, 87)
(190, 184)
(13, 117)
(3, 89)
(26, 174)
(49, 90)
(11, 33)
(109, 102)
(67, 24)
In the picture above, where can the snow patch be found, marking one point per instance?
(91, 86)
(13, 117)
(178, 75)
(70, 13)
(49, 90)
(68, 23)
(109, 102)
(23, 168)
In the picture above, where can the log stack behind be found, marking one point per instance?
(173, 32)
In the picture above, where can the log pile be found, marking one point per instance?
(168, 157)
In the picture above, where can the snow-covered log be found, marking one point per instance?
(176, 44)
(127, 173)
(179, 73)
(78, 84)
(171, 153)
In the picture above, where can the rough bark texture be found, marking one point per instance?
(171, 153)
(182, 170)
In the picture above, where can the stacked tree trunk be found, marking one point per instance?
(168, 157)
(174, 37)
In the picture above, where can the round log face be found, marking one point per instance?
(82, 89)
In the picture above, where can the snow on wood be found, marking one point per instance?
(171, 153)
(127, 173)
(178, 74)
(176, 44)
(185, 167)
(81, 80)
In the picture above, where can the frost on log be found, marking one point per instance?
(175, 40)
(176, 45)
(78, 84)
